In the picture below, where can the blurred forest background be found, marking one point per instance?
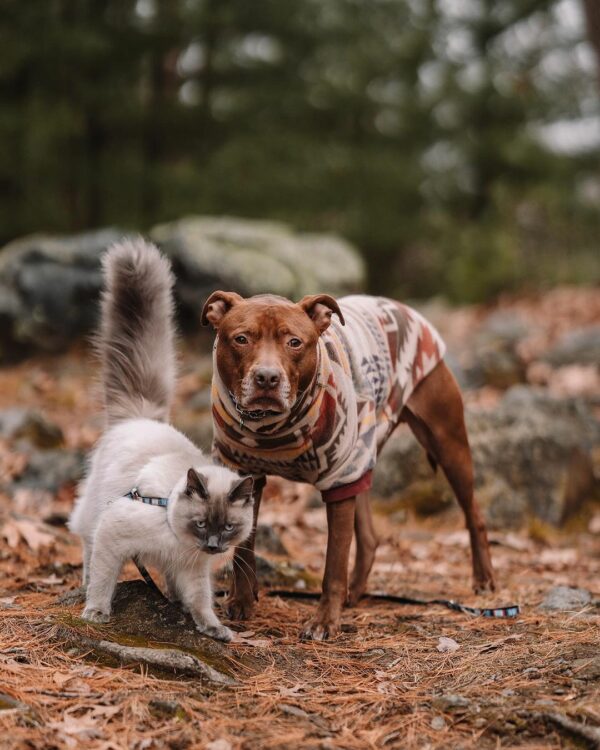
(456, 142)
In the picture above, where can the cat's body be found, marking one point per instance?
(209, 507)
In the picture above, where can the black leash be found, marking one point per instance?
(148, 578)
(511, 610)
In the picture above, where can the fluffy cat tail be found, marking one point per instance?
(135, 342)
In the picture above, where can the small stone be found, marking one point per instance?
(438, 723)
(587, 669)
(165, 707)
(219, 745)
(566, 598)
(450, 702)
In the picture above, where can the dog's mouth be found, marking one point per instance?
(265, 403)
(259, 407)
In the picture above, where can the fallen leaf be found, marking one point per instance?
(16, 529)
(518, 543)
(61, 679)
(11, 534)
(565, 556)
(51, 580)
(447, 645)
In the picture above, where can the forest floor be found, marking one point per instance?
(387, 681)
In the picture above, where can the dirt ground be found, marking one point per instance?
(387, 681)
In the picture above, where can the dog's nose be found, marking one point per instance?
(267, 377)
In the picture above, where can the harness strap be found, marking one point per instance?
(134, 494)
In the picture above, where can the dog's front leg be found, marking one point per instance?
(244, 586)
(340, 524)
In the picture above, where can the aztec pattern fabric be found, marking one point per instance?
(366, 373)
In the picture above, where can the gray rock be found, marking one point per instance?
(269, 540)
(587, 669)
(532, 456)
(493, 358)
(48, 290)
(49, 286)
(27, 424)
(147, 629)
(251, 257)
(565, 598)
(578, 347)
(50, 470)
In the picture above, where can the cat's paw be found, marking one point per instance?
(91, 614)
(218, 632)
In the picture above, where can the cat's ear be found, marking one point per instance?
(196, 483)
(241, 491)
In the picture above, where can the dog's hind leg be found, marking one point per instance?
(366, 546)
(435, 414)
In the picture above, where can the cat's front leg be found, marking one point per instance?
(196, 596)
(172, 591)
(104, 568)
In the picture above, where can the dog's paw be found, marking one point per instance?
(484, 586)
(217, 632)
(320, 628)
(95, 615)
(239, 608)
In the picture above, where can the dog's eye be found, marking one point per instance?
(241, 339)
(228, 527)
(200, 524)
(295, 343)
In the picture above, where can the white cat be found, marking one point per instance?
(208, 508)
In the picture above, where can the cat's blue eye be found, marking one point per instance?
(200, 524)
(228, 527)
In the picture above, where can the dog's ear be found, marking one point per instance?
(241, 491)
(320, 308)
(216, 306)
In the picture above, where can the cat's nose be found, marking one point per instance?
(212, 544)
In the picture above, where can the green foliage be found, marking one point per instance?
(407, 125)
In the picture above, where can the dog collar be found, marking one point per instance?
(161, 502)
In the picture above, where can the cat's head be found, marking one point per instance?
(212, 509)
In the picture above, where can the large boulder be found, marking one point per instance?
(533, 457)
(48, 290)
(49, 286)
(578, 347)
(252, 257)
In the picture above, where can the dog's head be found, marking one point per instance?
(267, 347)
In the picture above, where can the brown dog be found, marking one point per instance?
(311, 399)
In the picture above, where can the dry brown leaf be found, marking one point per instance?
(447, 645)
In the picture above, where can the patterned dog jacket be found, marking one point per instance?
(365, 374)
